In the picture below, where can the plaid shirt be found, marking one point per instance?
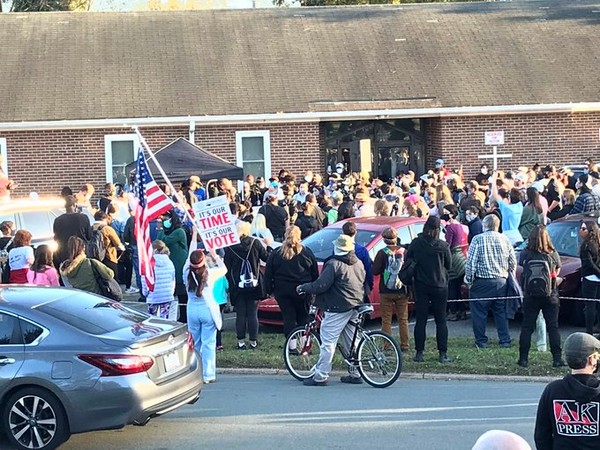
(491, 255)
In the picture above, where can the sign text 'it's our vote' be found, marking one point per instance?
(215, 223)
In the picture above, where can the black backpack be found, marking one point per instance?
(537, 278)
(247, 279)
(95, 248)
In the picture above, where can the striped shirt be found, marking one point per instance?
(491, 255)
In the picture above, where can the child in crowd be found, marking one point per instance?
(42, 271)
(161, 301)
(20, 257)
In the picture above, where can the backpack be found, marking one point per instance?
(247, 278)
(95, 248)
(537, 278)
(392, 269)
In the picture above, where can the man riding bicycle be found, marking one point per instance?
(339, 289)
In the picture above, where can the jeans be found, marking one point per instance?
(390, 303)
(204, 332)
(484, 288)
(437, 298)
(334, 325)
(246, 318)
(531, 309)
(294, 310)
(591, 289)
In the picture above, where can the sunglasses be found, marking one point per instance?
(583, 227)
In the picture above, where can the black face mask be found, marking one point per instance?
(445, 217)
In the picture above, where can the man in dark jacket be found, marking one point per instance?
(275, 216)
(568, 414)
(339, 290)
(70, 224)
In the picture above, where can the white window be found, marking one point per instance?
(120, 150)
(3, 155)
(253, 152)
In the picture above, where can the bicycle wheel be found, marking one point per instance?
(301, 352)
(379, 359)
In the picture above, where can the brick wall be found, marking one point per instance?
(545, 138)
(294, 146)
(433, 139)
(45, 161)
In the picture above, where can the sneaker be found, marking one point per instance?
(294, 352)
(452, 317)
(220, 348)
(418, 357)
(506, 345)
(210, 381)
(522, 362)
(558, 363)
(241, 346)
(444, 359)
(349, 379)
(312, 382)
(132, 290)
(253, 345)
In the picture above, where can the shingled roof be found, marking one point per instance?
(69, 66)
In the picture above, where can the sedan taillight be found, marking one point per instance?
(116, 365)
(189, 340)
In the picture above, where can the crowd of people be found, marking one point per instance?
(470, 230)
(481, 220)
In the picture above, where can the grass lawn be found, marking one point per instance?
(467, 359)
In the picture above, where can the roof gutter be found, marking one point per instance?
(306, 117)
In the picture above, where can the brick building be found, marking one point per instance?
(299, 88)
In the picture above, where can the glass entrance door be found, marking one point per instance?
(396, 145)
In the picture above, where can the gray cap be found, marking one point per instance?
(580, 345)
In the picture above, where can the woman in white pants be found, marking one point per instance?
(203, 314)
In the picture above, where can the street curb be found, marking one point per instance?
(408, 375)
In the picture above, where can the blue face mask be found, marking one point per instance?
(167, 223)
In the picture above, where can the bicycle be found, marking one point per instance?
(375, 354)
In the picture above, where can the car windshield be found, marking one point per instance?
(321, 243)
(564, 237)
(91, 314)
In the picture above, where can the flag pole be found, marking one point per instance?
(162, 172)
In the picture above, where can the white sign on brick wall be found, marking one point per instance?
(494, 137)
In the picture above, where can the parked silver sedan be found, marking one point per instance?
(72, 362)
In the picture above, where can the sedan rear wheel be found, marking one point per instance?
(33, 418)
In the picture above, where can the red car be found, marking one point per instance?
(369, 231)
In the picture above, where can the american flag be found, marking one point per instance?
(151, 203)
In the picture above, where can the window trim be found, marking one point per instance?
(108, 140)
(4, 153)
(239, 154)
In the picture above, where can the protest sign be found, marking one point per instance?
(216, 223)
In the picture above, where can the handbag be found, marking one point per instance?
(108, 286)
(407, 271)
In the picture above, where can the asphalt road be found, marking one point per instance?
(259, 412)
